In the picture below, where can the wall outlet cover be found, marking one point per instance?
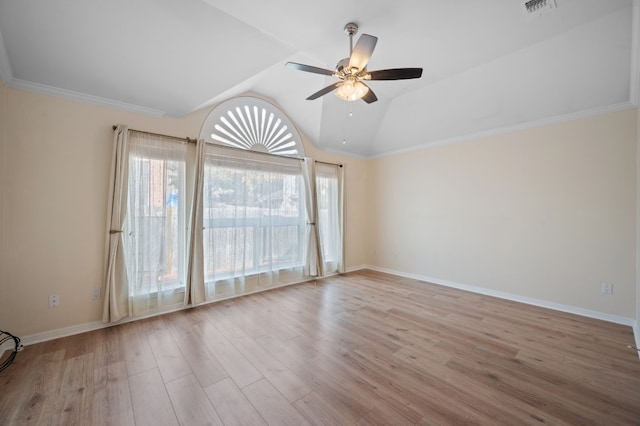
(54, 300)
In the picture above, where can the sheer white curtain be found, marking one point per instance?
(253, 221)
(329, 179)
(196, 292)
(155, 229)
(115, 281)
(313, 254)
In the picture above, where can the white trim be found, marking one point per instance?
(514, 297)
(358, 268)
(97, 325)
(62, 332)
(343, 153)
(623, 106)
(44, 336)
(32, 339)
(636, 335)
(44, 89)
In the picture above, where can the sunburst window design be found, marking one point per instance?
(253, 124)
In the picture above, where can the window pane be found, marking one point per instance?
(254, 217)
(328, 215)
(155, 225)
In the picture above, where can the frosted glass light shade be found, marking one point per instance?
(351, 91)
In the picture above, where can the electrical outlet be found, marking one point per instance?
(95, 295)
(54, 300)
(607, 288)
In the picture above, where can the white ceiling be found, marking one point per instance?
(487, 68)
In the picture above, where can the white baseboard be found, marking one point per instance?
(358, 268)
(516, 298)
(62, 332)
(95, 325)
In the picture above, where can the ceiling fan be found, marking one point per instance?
(352, 71)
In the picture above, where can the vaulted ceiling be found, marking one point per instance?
(488, 67)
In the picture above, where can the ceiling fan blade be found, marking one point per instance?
(324, 91)
(362, 51)
(309, 68)
(369, 97)
(395, 74)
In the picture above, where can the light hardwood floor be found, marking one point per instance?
(362, 348)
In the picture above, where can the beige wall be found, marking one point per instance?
(545, 213)
(58, 156)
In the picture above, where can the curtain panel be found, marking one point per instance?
(146, 263)
(160, 189)
(329, 179)
(196, 292)
(313, 254)
(116, 285)
(253, 221)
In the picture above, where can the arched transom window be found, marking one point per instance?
(254, 124)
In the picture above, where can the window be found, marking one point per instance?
(328, 190)
(253, 216)
(191, 223)
(155, 226)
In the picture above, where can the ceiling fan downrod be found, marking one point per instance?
(351, 29)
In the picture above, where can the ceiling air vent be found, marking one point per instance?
(535, 8)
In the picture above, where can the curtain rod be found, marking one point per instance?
(329, 164)
(189, 140)
(186, 139)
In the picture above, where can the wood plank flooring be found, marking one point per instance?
(362, 348)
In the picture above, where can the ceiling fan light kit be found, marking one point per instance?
(351, 90)
(352, 71)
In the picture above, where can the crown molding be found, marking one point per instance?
(623, 106)
(7, 76)
(81, 97)
(6, 73)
